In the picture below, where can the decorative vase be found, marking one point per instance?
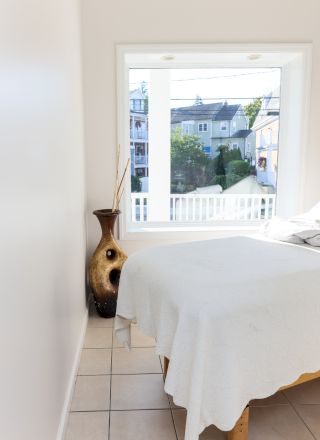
(105, 265)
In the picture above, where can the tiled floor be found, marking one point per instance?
(119, 396)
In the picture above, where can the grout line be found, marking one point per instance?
(299, 416)
(139, 409)
(90, 411)
(110, 393)
(170, 406)
(134, 374)
(118, 410)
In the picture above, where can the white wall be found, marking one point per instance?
(143, 21)
(42, 231)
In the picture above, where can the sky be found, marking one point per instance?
(215, 85)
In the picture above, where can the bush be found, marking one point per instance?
(219, 180)
(239, 167)
(232, 179)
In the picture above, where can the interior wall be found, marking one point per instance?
(208, 21)
(42, 232)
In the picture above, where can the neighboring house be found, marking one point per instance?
(216, 124)
(138, 134)
(266, 128)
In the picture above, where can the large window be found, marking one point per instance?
(195, 179)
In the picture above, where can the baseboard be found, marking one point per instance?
(72, 380)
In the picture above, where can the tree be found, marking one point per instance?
(237, 170)
(198, 100)
(144, 90)
(228, 167)
(251, 110)
(188, 162)
(135, 184)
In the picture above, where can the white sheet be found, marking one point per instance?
(237, 317)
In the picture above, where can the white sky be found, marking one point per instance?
(224, 84)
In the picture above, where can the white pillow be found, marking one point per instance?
(311, 236)
(282, 229)
(314, 241)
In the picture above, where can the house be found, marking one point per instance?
(266, 128)
(216, 124)
(138, 134)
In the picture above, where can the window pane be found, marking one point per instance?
(224, 144)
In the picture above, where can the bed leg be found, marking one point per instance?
(240, 431)
(165, 366)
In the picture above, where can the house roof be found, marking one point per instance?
(242, 133)
(238, 134)
(227, 112)
(217, 111)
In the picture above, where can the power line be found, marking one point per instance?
(215, 99)
(214, 77)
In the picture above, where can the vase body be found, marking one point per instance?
(105, 265)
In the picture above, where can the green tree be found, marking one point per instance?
(188, 162)
(198, 100)
(135, 184)
(251, 110)
(228, 167)
(236, 171)
(144, 90)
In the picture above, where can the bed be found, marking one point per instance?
(238, 318)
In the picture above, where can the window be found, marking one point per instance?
(234, 145)
(234, 125)
(180, 195)
(203, 127)
(187, 127)
(223, 125)
(137, 104)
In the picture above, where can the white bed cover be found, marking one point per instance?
(238, 317)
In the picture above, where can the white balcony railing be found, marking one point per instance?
(141, 160)
(140, 134)
(209, 207)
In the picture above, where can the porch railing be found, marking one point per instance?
(209, 207)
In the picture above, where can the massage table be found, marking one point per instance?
(238, 318)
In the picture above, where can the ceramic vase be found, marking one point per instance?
(105, 265)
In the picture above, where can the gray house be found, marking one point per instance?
(216, 124)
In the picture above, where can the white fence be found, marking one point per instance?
(209, 207)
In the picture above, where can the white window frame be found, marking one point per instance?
(294, 59)
(235, 145)
(204, 127)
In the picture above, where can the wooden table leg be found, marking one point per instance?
(240, 431)
(165, 366)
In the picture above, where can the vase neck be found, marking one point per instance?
(107, 221)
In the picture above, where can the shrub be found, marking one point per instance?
(239, 167)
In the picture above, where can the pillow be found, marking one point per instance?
(282, 229)
(314, 241)
(311, 236)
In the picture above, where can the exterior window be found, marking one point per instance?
(203, 127)
(137, 104)
(223, 126)
(187, 127)
(185, 179)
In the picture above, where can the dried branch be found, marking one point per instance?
(119, 187)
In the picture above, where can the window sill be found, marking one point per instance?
(188, 232)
